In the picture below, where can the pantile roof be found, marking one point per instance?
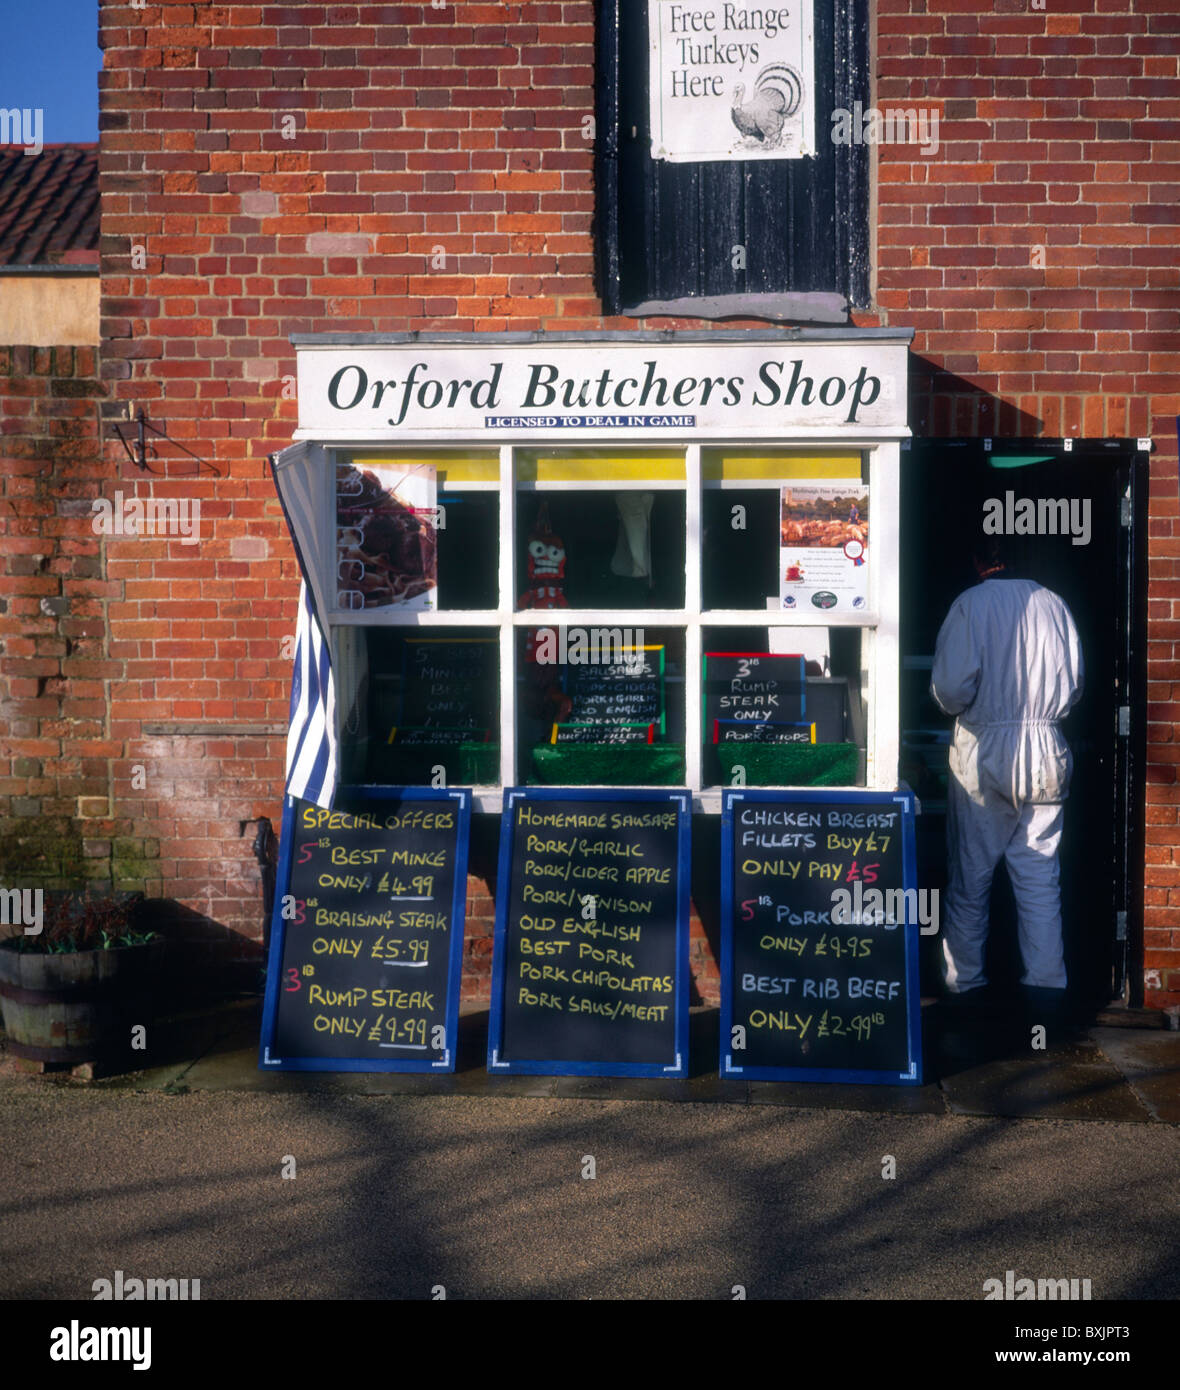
(49, 205)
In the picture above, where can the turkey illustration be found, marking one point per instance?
(778, 91)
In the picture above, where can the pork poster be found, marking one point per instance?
(824, 547)
(731, 80)
(386, 542)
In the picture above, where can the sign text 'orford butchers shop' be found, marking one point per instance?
(423, 391)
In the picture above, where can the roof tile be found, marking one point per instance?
(49, 205)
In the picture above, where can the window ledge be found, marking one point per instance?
(818, 307)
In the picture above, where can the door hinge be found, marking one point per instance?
(1124, 720)
(1120, 930)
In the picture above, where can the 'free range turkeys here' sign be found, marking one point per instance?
(730, 80)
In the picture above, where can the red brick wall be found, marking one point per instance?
(87, 794)
(55, 750)
(1060, 130)
(462, 128)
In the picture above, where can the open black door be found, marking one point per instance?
(1100, 571)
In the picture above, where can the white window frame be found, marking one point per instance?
(880, 655)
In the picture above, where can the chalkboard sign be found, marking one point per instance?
(450, 682)
(819, 937)
(603, 733)
(590, 966)
(746, 731)
(763, 687)
(618, 692)
(365, 963)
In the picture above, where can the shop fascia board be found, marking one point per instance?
(346, 372)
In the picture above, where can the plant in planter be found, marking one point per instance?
(71, 993)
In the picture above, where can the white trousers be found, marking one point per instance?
(1027, 839)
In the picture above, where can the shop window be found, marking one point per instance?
(739, 548)
(783, 707)
(416, 533)
(613, 550)
(600, 529)
(576, 596)
(433, 707)
(601, 705)
(743, 222)
(743, 523)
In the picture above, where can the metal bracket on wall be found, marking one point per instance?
(139, 455)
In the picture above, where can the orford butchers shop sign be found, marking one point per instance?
(731, 80)
(585, 391)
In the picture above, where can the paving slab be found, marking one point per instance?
(1072, 1081)
(878, 1100)
(974, 1065)
(1151, 1063)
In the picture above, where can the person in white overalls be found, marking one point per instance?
(1008, 665)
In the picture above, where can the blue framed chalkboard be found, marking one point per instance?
(819, 937)
(590, 961)
(365, 963)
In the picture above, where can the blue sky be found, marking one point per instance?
(50, 58)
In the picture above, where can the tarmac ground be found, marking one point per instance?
(1055, 1164)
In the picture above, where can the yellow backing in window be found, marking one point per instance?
(599, 465)
(455, 466)
(771, 466)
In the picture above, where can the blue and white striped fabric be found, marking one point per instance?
(311, 737)
(318, 684)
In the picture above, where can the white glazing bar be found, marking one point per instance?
(693, 596)
(507, 572)
(602, 617)
(883, 658)
(776, 617)
(447, 617)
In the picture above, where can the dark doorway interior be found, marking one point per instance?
(945, 485)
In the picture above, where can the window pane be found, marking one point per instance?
(783, 705)
(600, 549)
(468, 544)
(433, 701)
(600, 706)
(417, 532)
(740, 551)
(791, 501)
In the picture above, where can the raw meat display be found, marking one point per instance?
(386, 551)
(823, 533)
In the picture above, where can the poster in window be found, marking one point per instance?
(386, 544)
(824, 547)
(730, 80)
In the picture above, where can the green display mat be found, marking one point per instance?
(608, 765)
(791, 765)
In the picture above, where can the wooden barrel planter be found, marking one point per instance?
(77, 1006)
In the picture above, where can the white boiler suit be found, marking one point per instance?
(1008, 663)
